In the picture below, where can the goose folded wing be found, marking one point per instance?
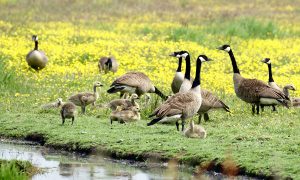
(133, 79)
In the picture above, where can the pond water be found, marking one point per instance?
(65, 165)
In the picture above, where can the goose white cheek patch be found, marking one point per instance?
(184, 55)
(227, 49)
(202, 59)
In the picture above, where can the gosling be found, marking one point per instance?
(125, 116)
(125, 103)
(195, 131)
(53, 105)
(68, 111)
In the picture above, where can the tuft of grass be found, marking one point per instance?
(17, 170)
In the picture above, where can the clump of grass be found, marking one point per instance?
(17, 170)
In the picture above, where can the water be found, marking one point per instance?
(64, 165)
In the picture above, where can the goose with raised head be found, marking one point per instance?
(85, 98)
(254, 91)
(181, 105)
(36, 58)
(195, 131)
(134, 82)
(107, 64)
(178, 77)
(125, 103)
(68, 111)
(122, 115)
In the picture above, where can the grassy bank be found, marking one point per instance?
(261, 145)
(17, 170)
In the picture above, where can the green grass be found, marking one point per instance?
(267, 144)
(16, 170)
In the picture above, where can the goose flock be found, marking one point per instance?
(188, 98)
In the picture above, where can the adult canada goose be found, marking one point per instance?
(125, 103)
(53, 105)
(181, 105)
(85, 98)
(134, 82)
(195, 131)
(253, 91)
(125, 115)
(36, 58)
(68, 110)
(210, 102)
(295, 101)
(108, 64)
(178, 78)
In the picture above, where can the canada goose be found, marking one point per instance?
(295, 101)
(85, 98)
(254, 91)
(125, 115)
(52, 105)
(68, 110)
(125, 103)
(134, 82)
(210, 102)
(195, 131)
(36, 58)
(181, 105)
(179, 77)
(108, 64)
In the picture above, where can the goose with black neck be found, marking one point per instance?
(181, 105)
(178, 77)
(36, 58)
(254, 91)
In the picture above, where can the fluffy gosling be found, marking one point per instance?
(68, 111)
(125, 116)
(195, 131)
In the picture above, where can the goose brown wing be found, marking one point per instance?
(133, 79)
(175, 105)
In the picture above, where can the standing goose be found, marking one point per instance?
(85, 98)
(68, 110)
(108, 64)
(294, 101)
(178, 78)
(209, 101)
(181, 105)
(36, 58)
(254, 91)
(134, 82)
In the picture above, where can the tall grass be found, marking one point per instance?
(15, 170)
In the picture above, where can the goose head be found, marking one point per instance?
(59, 101)
(290, 87)
(266, 60)
(179, 54)
(135, 109)
(134, 96)
(34, 38)
(225, 47)
(203, 58)
(97, 84)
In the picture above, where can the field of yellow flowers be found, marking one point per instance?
(141, 40)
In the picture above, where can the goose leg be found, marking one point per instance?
(273, 108)
(83, 109)
(199, 118)
(257, 109)
(62, 117)
(262, 108)
(253, 109)
(73, 120)
(182, 125)
(121, 95)
(177, 125)
(206, 117)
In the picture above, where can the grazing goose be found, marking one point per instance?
(181, 105)
(36, 58)
(295, 101)
(53, 105)
(85, 98)
(68, 110)
(108, 64)
(254, 91)
(195, 131)
(125, 103)
(134, 82)
(125, 115)
(210, 102)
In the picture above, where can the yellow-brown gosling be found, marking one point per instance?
(36, 58)
(195, 131)
(125, 116)
(68, 111)
(53, 105)
(125, 103)
(85, 98)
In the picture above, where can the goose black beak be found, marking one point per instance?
(173, 54)
(101, 85)
(209, 59)
(220, 48)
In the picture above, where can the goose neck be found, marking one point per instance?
(179, 65)
(270, 73)
(36, 45)
(197, 81)
(187, 67)
(286, 92)
(233, 62)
